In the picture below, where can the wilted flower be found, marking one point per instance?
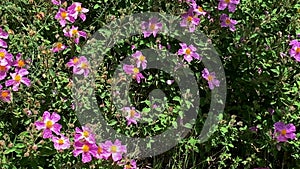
(211, 78)
(48, 123)
(74, 33)
(115, 149)
(231, 4)
(76, 9)
(17, 79)
(284, 132)
(227, 22)
(189, 52)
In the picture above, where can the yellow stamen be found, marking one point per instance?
(128, 166)
(84, 66)
(227, 1)
(59, 45)
(85, 148)
(227, 21)
(132, 113)
(113, 149)
(210, 77)
(78, 8)
(75, 60)
(100, 150)
(64, 15)
(188, 51)
(283, 132)
(152, 26)
(49, 124)
(21, 63)
(61, 141)
(4, 94)
(298, 50)
(2, 68)
(74, 32)
(189, 18)
(2, 55)
(86, 134)
(142, 58)
(200, 9)
(18, 78)
(136, 70)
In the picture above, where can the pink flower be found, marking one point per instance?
(284, 132)
(198, 9)
(74, 33)
(134, 71)
(57, 2)
(17, 79)
(151, 27)
(5, 57)
(140, 59)
(211, 78)
(115, 149)
(102, 153)
(19, 62)
(63, 16)
(190, 20)
(295, 49)
(230, 3)
(82, 67)
(86, 149)
(76, 9)
(189, 52)
(58, 47)
(73, 62)
(227, 22)
(84, 135)
(3, 35)
(61, 143)
(3, 70)
(48, 123)
(4, 95)
(132, 115)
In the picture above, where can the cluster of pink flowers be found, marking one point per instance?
(84, 142)
(226, 21)
(131, 115)
(140, 62)
(191, 18)
(7, 65)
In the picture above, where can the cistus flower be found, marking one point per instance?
(4, 95)
(19, 62)
(76, 9)
(57, 47)
(211, 78)
(134, 71)
(86, 149)
(17, 79)
(231, 4)
(151, 27)
(295, 50)
(190, 20)
(101, 152)
(131, 115)
(140, 59)
(61, 143)
(5, 57)
(227, 22)
(284, 132)
(63, 16)
(198, 9)
(3, 35)
(82, 67)
(73, 62)
(74, 33)
(3, 70)
(49, 124)
(189, 52)
(115, 150)
(84, 135)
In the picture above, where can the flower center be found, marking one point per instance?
(75, 60)
(298, 50)
(142, 58)
(135, 70)
(210, 77)
(227, 21)
(86, 134)
(49, 124)
(200, 9)
(78, 8)
(283, 132)
(152, 26)
(113, 149)
(85, 148)
(21, 63)
(132, 113)
(2, 55)
(4, 93)
(61, 141)
(128, 166)
(189, 18)
(74, 32)
(99, 150)
(18, 78)
(84, 66)
(64, 15)
(59, 45)
(2, 68)
(188, 51)
(227, 1)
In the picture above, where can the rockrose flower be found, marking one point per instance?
(295, 50)
(19, 62)
(17, 79)
(3, 70)
(140, 59)
(211, 78)
(49, 124)
(198, 9)
(189, 20)
(189, 52)
(151, 27)
(115, 150)
(284, 132)
(84, 135)
(231, 4)
(86, 149)
(82, 67)
(134, 71)
(76, 9)
(4, 95)
(131, 115)
(74, 33)
(61, 143)
(227, 22)
(57, 47)
(63, 16)
(5, 57)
